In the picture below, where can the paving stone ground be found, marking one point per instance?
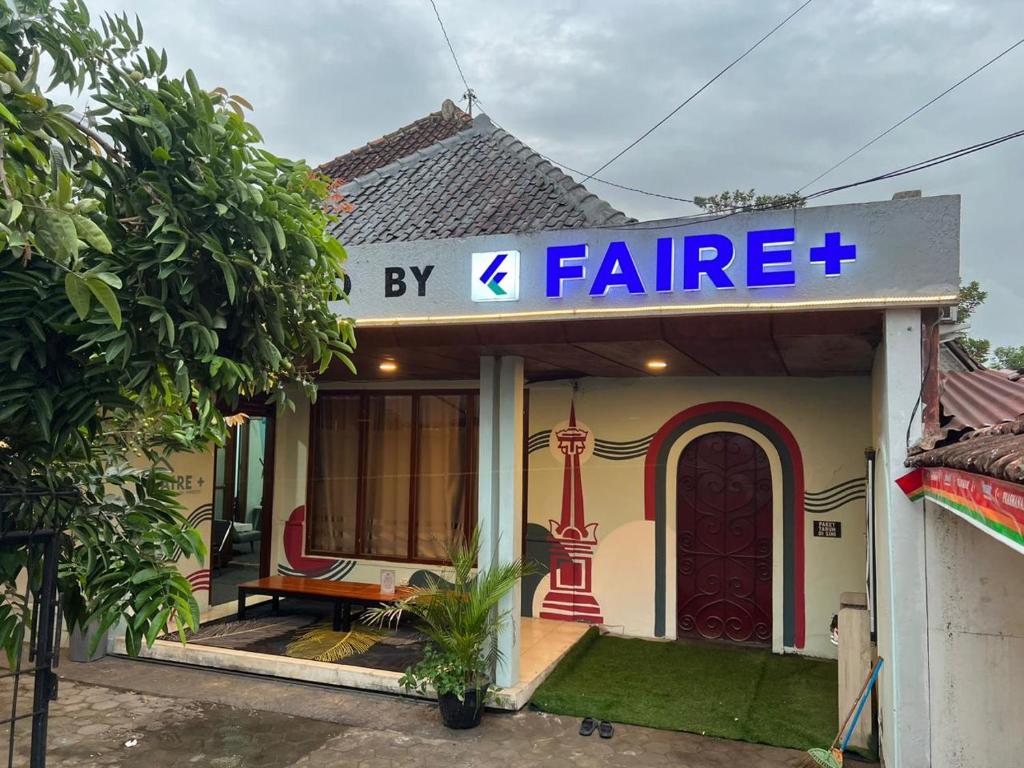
(117, 712)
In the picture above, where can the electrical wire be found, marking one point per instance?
(921, 165)
(451, 47)
(916, 112)
(595, 178)
(699, 91)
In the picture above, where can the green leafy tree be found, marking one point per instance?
(971, 297)
(748, 200)
(156, 265)
(978, 349)
(1011, 358)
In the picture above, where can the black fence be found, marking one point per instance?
(29, 541)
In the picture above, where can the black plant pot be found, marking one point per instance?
(462, 714)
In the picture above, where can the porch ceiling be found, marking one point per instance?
(835, 343)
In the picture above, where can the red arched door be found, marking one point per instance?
(724, 533)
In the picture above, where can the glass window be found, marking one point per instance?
(443, 485)
(392, 474)
(388, 472)
(335, 474)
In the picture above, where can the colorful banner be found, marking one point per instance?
(995, 506)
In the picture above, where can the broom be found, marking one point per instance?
(833, 756)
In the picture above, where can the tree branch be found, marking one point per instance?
(3, 170)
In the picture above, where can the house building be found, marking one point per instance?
(693, 426)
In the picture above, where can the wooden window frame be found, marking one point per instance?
(364, 395)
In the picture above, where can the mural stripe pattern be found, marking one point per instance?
(839, 495)
(604, 449)
(198, 516)
(336, 572)
(538, 441)
(630, 449)
(199, 580)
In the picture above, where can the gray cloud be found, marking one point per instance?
(578, 80)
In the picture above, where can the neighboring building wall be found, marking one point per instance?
(829, 419)
(976, 644)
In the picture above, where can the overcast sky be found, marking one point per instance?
(578, 80)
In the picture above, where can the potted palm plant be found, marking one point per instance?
(461, 619)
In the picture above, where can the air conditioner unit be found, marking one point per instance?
(948, 315)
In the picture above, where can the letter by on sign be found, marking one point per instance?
(694, 246)
(421, 278)
(617, 269)
(559, 271)
(665, 266)
(758, 258)
(394, 282)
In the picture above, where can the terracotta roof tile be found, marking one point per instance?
(480, 180)
(996, 451)
(446, 122)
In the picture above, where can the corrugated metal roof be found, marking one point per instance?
(981, 398)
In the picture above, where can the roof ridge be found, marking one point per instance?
(597, 210)
(449, 112)
(575, 193)
(399, 165)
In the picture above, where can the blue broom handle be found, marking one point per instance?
(863, 701)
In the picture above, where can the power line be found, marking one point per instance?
(469, 95)
(921, 165)
(595, 178)
(700, 90)
(917, 111)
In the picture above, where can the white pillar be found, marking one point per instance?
(900, 548)
(500, 482)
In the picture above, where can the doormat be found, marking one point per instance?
(249, 634)
(322, 643)
(393, 649)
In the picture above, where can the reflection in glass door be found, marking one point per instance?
(241, 504)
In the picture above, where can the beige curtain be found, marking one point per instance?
(442, 482)
(332, 511)
(388, 469)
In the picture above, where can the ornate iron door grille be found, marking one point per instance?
(724, 524)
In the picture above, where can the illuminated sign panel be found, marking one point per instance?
(769, 258)
(902, 252)
(495, 276)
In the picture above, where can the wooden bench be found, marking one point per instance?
(342, 594)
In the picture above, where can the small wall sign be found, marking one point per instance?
(828, 529)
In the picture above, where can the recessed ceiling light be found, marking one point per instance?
(657, 365)
(388, 366)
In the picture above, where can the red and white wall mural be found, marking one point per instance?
(604, 511)
(570, 596)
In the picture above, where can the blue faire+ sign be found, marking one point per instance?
(706, 260)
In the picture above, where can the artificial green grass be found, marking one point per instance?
(734, 693)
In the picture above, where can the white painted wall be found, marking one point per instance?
(904, 720)
(976, 641)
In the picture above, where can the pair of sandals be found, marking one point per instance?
(589, 725)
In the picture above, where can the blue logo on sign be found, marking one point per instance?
(492, 277)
